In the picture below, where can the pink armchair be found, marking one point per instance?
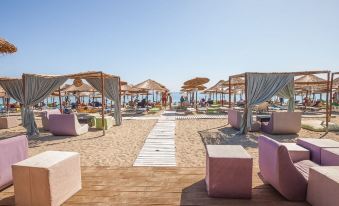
(66, 124)
(277, 169)
(283, 123)
(12, 150)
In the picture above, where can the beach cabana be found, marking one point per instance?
(260, 87)
(334, 86)
(6, 47)
(31, 89)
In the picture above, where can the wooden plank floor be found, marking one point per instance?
(155, 186)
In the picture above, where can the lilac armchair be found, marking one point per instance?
(45, 117)
(235, 119)
(283, 123)
(66, 124)
(277, 169)
(12, 150)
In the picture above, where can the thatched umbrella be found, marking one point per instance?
(197, 81)
(310, 83)
(151, 85)
(6, 47)
(194, 88)
(83, 88)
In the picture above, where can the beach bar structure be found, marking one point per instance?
(31, 89)
(275, 83)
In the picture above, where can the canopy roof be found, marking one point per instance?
(218, 87)
(193, 87)
(130, 89)
(6, 47)
(150, 84)
(197, 81)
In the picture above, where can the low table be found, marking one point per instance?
(228, 171)
(330, 156)
(323, 186)
(315, 146)
(263, 118)
(296, 152)
(48, 179)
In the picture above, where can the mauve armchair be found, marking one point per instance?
(277, 169)
(45, 117)
(66, 125)
(283, 123)
(12, 150)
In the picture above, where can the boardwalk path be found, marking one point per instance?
(159, 147)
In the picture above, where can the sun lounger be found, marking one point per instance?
(9, 122)
(45, 117)
(235, 119)
(283, 123)
(278, 169)
(48, 179)
(12, 150)
(66, 124)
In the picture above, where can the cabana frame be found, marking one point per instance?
(295, 74)
(331, 92)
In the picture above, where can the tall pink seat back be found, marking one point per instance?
(45, 117)
(12, 150)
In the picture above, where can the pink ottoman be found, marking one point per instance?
(47, 179)
(315, 146)
(330, 156)
(9, 122)
(323, 186)
(296, 152)
(228, 171)
(12, 150)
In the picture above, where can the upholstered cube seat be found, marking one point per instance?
(9, 122)
(47, 179)
(228, 171)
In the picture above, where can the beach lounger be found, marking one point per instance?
(12, 150)
(45, 117)
(277, 169)
(235, 119)
(283, 123)
(66, 124)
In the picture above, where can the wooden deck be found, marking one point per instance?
(155, 186)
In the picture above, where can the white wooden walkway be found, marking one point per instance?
(159, 147)
(202, 116)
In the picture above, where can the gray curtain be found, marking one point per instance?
(260, 88)
(288, 93)
(37, 88)
(111, 91)
(13, 87)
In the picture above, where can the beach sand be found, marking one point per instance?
(119, 147)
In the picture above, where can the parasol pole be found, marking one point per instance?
(327, 100)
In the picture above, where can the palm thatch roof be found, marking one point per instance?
(218, 87)
(197, 81)
(193, 87)
(6, 47)
(310, 79)
(130, 89)
(150, 84)
(83, 88)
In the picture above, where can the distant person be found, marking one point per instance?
(170, 101)
(182, 100)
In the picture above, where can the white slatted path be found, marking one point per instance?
(159, 147)
(201, 116)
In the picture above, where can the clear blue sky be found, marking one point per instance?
(167, 40)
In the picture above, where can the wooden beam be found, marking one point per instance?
(229, 92)
(327, 100)
(103, 103)
(246, 101)
(60, 103)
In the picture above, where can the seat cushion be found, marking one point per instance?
(304, 167)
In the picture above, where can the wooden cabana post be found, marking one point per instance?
(229, 92)
(331, 93)
(327, 102)
(60, 103)
(103, 104)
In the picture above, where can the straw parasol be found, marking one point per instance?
(150, 84)
(197, 81)
(129, 89)
(6, 47)
(192, 87)
(310, 79)
(83, 88)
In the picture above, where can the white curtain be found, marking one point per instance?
(288, 93)
(111, 91)
(260, 88)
